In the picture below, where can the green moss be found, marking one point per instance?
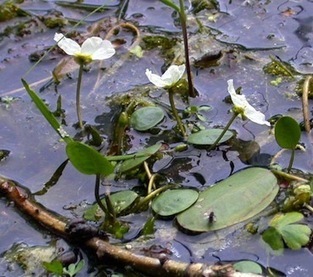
(55, 22)
(152, 42)
(200, 5)
(279, 68)
(9, 9)
(299, 88)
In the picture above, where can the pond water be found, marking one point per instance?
(247, 33)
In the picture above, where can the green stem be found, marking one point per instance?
(78, 107)
(224, 131)
(109, 210)
(183, 22)
(175, 113)
(143, 202)
(97, 195)
(292, 158)
(288, 176)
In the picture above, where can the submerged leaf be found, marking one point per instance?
(208, 137)
(235, 199)
(172, 202)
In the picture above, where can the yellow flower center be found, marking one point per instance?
(82, 59)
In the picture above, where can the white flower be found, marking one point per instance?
(170, 77)
(93, 48)
(246, 110)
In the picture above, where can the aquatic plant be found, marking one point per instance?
(183, 21)
(287, 135)
(92, 49)
(243, 109)
(167, 81)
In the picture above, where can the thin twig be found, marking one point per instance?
(305, 103)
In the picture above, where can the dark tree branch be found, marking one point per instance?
(57, 224)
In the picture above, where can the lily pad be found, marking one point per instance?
(121, 201)
(235, 199)
(136, 161)
(208, 137)
(287, 132)
(248, 267)
(172, 202)
(145, 118)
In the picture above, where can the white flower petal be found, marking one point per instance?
(90, 45)
(241, 102)
(155, 79)
(238, 100)
(105, 51)
(170, 77)
(68, 45)
(173, 74)
(255, 116)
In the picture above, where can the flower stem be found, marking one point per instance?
(175, 113)
(292, 158)
(183, 23)
(109, 210)
(78, 107)
(97, 195)
(224, 131)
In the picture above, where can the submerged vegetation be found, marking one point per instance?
(147, 133)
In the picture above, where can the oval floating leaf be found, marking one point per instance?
(235, 199)
(121, 201)
(145, 118)
(87, 160)
(172, 202)
(208, 137)
(287, 132)
(142, 156)
(248, 267)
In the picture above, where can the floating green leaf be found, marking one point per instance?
(149, 227)
(282, 228)
(208, 137)
(142, 156)
(235, 199)
(287, 132)
(145, 118)
(74, 268)
(174, 201)
(248, 267)
(54, 266)
(121, 201)
(87, 160)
